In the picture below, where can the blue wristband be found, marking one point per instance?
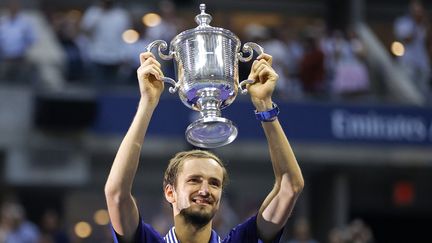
(268, 116)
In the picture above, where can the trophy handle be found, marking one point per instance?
(171, 81)
(244, 82)
(162, 46)
(248, 47)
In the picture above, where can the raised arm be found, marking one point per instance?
(122, 208)
(277, 206)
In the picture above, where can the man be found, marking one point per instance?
(14, 226)
(194, 180)
(104, 25)
(412, 30)
(16, 39)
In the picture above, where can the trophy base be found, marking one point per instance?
(211, 132)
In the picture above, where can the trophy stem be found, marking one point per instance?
(209, 102)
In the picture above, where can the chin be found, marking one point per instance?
(197, 217)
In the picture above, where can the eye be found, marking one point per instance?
(193, 180)
(215, 183)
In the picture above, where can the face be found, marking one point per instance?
(196, 196)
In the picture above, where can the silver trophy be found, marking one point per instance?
(206, 61)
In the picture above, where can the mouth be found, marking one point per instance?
(201, 201)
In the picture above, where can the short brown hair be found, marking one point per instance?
(176, 163)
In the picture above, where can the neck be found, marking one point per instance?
(189, 233)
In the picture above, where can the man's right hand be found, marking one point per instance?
(150, 78)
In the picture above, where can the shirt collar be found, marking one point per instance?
(170, 237)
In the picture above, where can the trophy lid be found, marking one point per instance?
(203, 20)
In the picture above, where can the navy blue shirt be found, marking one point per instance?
(243, 233)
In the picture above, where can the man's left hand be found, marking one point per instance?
(264, 77)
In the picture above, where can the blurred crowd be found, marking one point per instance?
(100, 46)
(316, 62)
(357, 231)
(15, 227)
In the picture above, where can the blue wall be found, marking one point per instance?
(308, 122)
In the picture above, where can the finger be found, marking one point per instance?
(261, 63)
(263, 75)
(145, 55)
(144, 68)
(153, 71)
(151, 61)
(267, 74)
(253, 74)
(266, 57)
(260, 68)
(159, 70)
(145, 71)
(261, 72)
(256, 65)
(156, 72)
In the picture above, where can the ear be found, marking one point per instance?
(169, 193)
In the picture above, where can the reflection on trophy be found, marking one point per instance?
(206, 60)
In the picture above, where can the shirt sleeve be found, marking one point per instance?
(247, 232)
(143, 234)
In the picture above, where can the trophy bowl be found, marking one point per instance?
(206, 67)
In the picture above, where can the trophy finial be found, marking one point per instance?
(202, 8)
(203, 19)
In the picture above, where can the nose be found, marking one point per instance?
(204, 189)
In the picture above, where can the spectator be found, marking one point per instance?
(66, 26)
(359, 232)
(275, 46)
(16, 37)
(411, 30)
(355, 232)
(351, 76)
(302, 232)
(15, 227)
(337, 235)
(104, 25)
(312, 73)
(51, 228)
(294, 56)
